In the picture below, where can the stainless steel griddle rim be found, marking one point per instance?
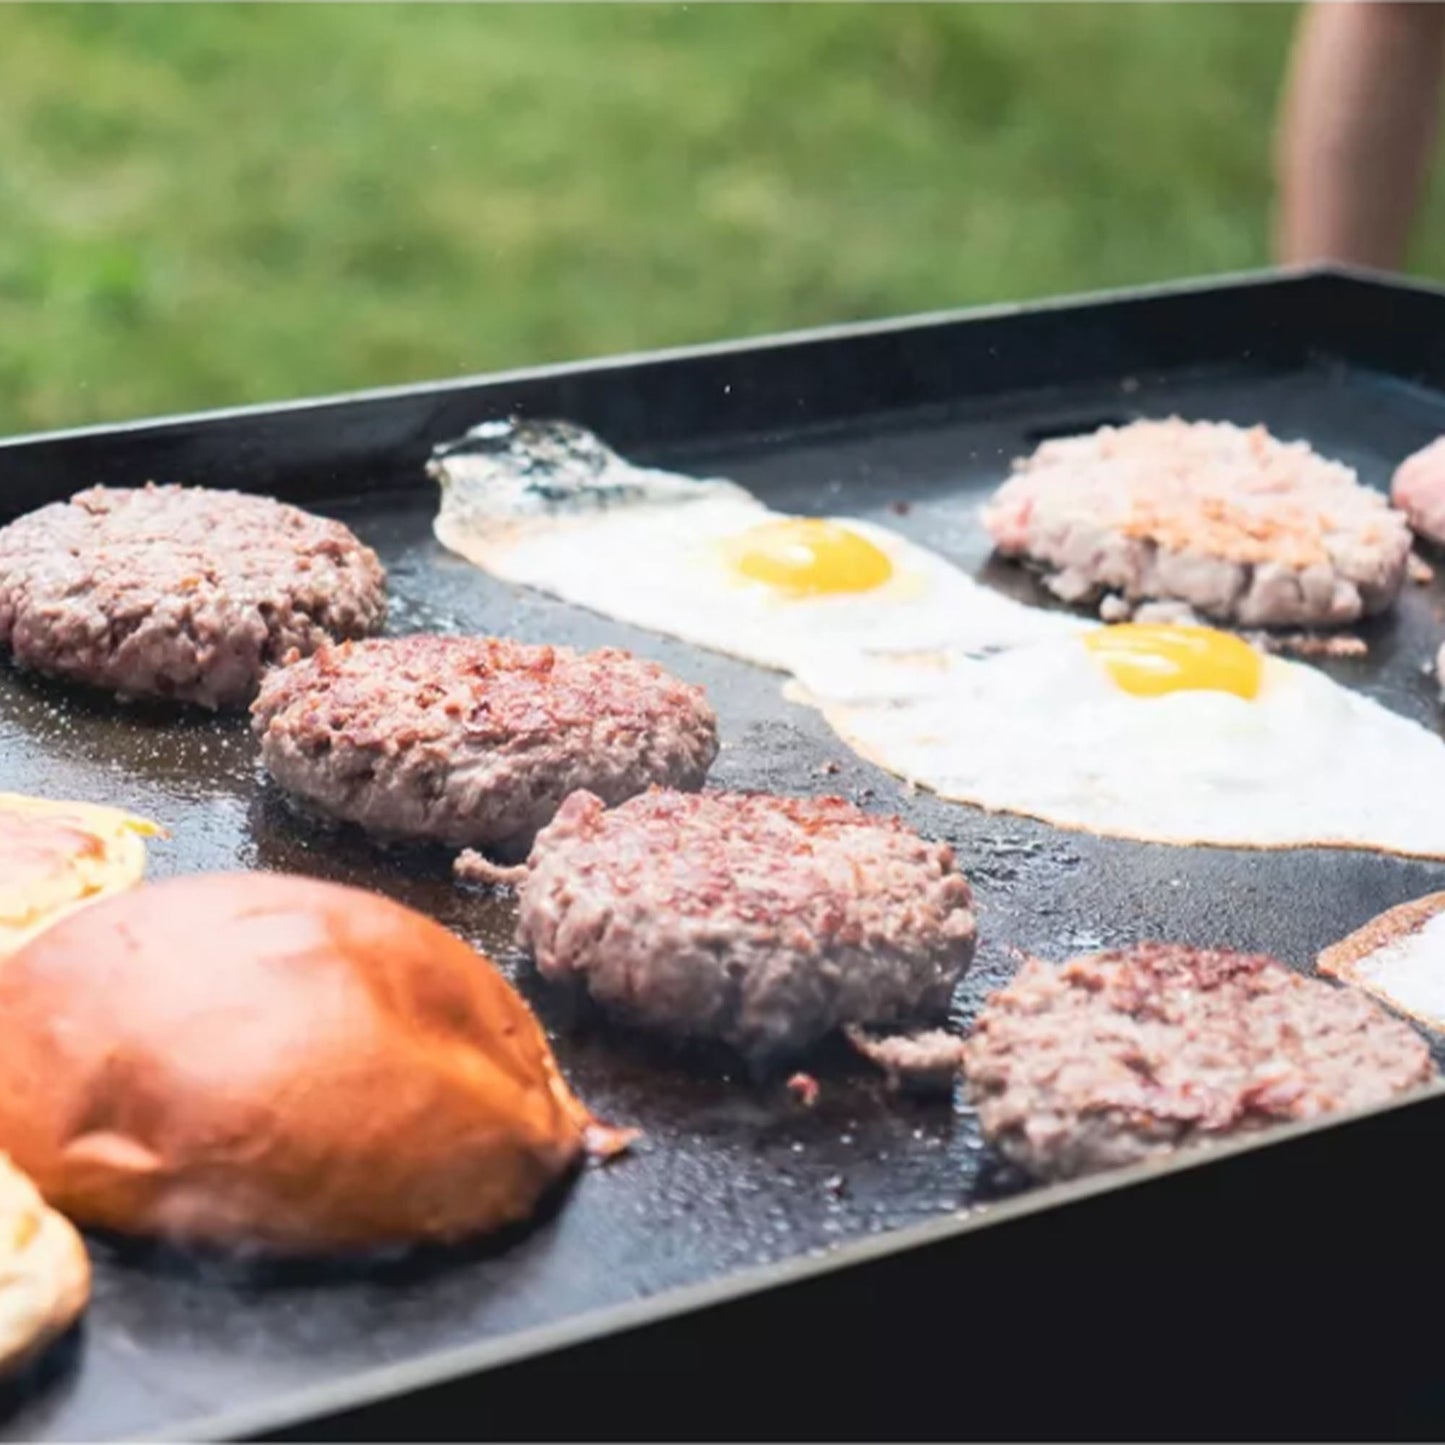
(298, 1407)
(1270, 279)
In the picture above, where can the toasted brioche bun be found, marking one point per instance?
(1399, 956)
(269, 1061)
(57, 856)
(44, 1271)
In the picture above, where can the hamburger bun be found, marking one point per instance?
(270, 1061)
(44, 1271)
(1399, 957)
(56, 856)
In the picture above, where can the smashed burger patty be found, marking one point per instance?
(1113, 1058)
(763, 921)
(1418, 490)
(475, 741)
(179, 592)
(1237, 525)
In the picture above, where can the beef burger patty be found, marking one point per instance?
(1418, 489)
(475, 741)
(1239, 526)
(762, 921)
(1116, 1057)
(179, 592)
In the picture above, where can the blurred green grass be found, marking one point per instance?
(210, 205)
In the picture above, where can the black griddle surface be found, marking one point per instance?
(731, 1172)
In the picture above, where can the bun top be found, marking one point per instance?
(278, 1062)
(55, 856)
(44, 1271)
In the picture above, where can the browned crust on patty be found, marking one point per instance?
(180, 593)
(1110, 1059)
(926, 1062)
(475, 741)
(469, 866)
(1305, 644)
(497, 690)
(763, 921)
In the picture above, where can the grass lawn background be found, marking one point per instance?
(209, 205)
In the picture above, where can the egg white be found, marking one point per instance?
(1043, 730)
(659, 560)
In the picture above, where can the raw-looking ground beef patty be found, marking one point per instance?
(179, 592)
(1418, 489)
(762, 921)
(475, 741)
(1235, 524)
(1115, 1057)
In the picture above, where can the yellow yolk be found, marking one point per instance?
(807, 556)
(1150, 661)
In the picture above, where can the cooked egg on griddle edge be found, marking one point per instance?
(1160, 733)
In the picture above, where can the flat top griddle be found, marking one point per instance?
(732, 1173)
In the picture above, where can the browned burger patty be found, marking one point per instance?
(179, 592)
(1116, 1057)
(765, 922)
(475, 741)
(1230, 522)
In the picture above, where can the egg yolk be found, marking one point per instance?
(1150, 661)
(807, 556)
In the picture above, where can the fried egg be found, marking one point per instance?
(56, 856)
(1164, 734)
(548, 506)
